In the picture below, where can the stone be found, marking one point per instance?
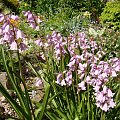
(3, 80)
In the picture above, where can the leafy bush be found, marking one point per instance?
(111, 15)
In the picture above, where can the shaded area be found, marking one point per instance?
(13, 6)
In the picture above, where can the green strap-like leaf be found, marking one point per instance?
(19, 110)
(45, 100)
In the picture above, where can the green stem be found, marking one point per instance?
(45, 101)
(92, 112)
(78, 95)
(25, 87)
(13, 69)
(102, 116)
(88, 103)
(67, 100)
(20, 97)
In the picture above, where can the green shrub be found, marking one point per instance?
(111, 15)
(51, 7)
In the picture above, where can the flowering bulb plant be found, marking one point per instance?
(12, 38)
(81, 73)
(75, 73)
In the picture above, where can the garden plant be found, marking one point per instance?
(79, 72)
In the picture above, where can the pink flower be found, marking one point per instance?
(65, 78)
(104, 99)
(112, 103)
(110, 94)
(63, 83)
(39, 42)
(88, 80)
(30, 17)
(6, 29)
(74, 62)
(105, 89)
(59, 78)
(25, 13)
(32, 24)
(6, 37)
(96, 88)
(1, 17)
(13, 46)
(22, 46)
(100, 97)
(15, 17)
(113, 73)
(59, 50)
(1, 41)
(81, 86)
(72, 65)
(105, 107)
(68, 78)
(38, 20)
(82, 69)
(38, 82)
(32, 20)
(19, 34)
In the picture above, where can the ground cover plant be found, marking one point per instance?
(77, 71)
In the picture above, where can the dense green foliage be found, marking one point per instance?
(111, 14)
(52, 7)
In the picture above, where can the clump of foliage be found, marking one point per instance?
(111, 15)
